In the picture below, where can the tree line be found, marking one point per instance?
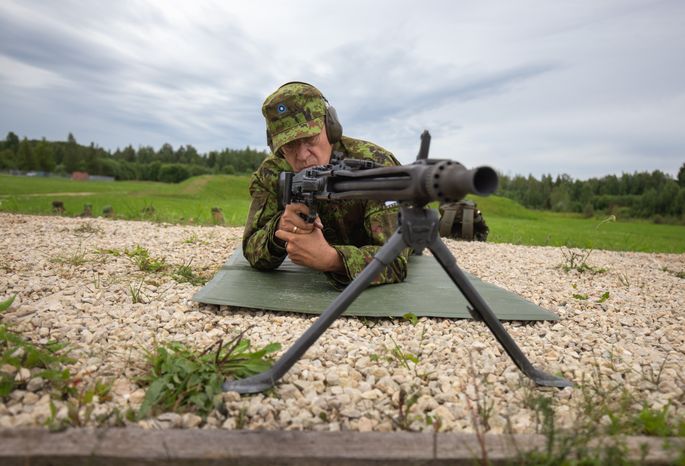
(655, 195)
(144, 163)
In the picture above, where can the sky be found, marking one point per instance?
(585, 88)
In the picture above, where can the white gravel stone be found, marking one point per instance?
(190, 421)
(8, 369)
(22, 375)
(35, 384)
(348, 380)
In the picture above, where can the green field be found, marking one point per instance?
(509, 222)
(192, 200)
(188, 202)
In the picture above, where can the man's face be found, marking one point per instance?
(308, 152)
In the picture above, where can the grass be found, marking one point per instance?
(182, 379)
(188, 202)
(148, 264)
(178, 378)
(145, 263)
(191, 202)
(22, 361)
(185, 274)
(509, 222)
(45, 361)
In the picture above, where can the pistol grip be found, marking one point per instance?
(309, 218)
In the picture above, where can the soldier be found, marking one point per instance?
(303, 131)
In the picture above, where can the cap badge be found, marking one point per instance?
(281, 109)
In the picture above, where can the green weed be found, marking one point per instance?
(75, 259)
(576, 259)
(88, 229)
(396, 355)
(6, 304)
(113, 252)
(653, 376)
(411, 317)
(185, 274)
(181, 379)
(402, 357)
(194, 239)
(136, 292)
(605, 413)
(45, 361)
(80, 407)
(406, 401)
(604, 297)
(141, 257)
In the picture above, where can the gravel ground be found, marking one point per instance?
(634, 337)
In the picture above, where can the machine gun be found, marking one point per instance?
(414, 185)
(424, 181)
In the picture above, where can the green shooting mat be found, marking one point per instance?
(428, 291)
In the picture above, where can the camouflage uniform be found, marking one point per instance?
(355, 228)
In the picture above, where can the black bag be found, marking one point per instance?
(462, 220)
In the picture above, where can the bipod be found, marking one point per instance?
(418, 229)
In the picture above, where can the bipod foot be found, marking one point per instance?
(253, 384)
(480, 310)
(544, 379)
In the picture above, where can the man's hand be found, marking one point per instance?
(309, 247)
(291, 221)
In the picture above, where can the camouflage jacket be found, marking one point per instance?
(355, 228)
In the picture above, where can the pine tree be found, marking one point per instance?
(25, 156)
(43, 156)
(71, 159)
(12, 142)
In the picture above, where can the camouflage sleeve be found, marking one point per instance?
(380, 223)
(260, 247)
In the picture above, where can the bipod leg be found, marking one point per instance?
(481, 308)
(267, 379)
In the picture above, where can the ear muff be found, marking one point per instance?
(334, 129)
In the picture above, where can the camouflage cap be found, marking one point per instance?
(296, 110)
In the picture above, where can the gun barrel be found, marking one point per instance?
(457, 183)
(442, 180)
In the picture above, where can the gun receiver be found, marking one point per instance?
(424, 181)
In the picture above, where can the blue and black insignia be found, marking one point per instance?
(281, 109)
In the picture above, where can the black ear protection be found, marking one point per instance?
(333, 127)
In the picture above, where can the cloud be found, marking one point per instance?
(583, 88)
